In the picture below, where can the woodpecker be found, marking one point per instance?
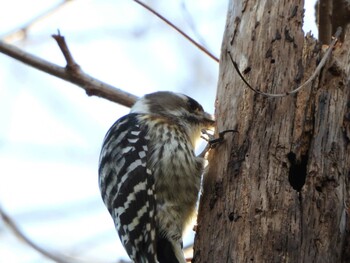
(149, 175)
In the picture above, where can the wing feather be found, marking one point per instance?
(127, 187)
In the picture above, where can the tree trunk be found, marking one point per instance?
(332, 14)
(277, 190)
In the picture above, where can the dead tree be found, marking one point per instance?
(278, 190)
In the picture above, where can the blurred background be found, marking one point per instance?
(51, 131)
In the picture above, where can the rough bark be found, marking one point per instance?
(277, 191)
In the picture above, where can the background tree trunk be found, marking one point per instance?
(277, 191)
(331, 14)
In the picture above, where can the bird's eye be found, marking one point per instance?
(194, 105)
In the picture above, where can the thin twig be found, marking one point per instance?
(22, 31)
(199, 46)
(59, 258)
(19, 233)
(71, 64)
(92, 86)
(188, 17)
(313, 76)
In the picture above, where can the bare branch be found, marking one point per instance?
(59, 258)
(73, 73)
(21, 32)
(313, 76)
(199, 46)
(188, 17)
(92, 86)
(18, 232)
(71, 64)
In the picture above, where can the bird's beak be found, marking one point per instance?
(209, 119)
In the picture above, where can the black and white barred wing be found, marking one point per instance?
(127, 187)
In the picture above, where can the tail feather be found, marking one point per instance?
(169, 251)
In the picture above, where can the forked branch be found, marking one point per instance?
(92, 86)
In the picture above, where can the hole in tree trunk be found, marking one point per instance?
(297, 171)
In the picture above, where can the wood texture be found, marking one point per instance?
(277, 191)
